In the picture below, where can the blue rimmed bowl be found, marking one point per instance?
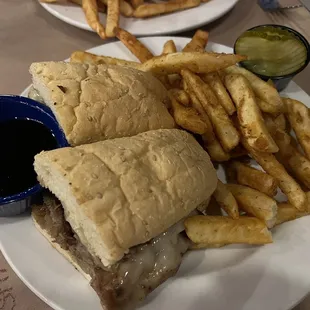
(16, 107)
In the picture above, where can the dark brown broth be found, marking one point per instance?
(20, 141)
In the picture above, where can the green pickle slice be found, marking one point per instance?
(271, 51)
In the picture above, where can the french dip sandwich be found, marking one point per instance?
(98, 102)
(116, 208)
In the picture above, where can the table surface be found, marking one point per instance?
(28, 34)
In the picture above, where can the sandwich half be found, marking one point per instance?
(94, 103)
(116, 208)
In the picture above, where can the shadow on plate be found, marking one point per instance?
(213, 260)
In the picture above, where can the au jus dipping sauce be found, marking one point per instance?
(21, 140)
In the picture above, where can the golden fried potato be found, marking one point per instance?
(187, 117)
(125, 8)
(181, 96)
(153, 9)
(261, 89)
(136, 3)
(289, 155)
(113, 15)
(281, 122)
(287, 184)
(90, 9)
(299, 117)
(169, 47)
(224, 128)
(211, 142)
(92, 59)
(211, 230)
(286, 212)
(198, 43)
(226, 200)
(256, 179)
(215, 82)
(194, 61)
(134, 45)
(255, 203)
(250, 118)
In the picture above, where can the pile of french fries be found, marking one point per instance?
(238, 118)
(128, 8)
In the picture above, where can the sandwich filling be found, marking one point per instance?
(122, 285)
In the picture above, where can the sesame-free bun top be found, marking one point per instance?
(98, 102)
(123, 192)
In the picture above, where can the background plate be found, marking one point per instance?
(271, 277)
(165, 24)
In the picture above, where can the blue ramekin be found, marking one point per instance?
(16, 107)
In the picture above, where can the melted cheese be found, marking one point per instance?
(148, 263)
(34, 95)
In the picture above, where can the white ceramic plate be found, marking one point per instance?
(271, 277)
(165, 24)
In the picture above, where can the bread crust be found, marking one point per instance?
(94, 103)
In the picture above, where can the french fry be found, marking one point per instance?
(172, 79)
(215, 82)
(181, 96)
(125, 8)
(288, 155)
(264, 105)
(211, 143)
(251, 177)
(286, 212)
(187, 117)
(88, 58)
(194, 61)
(198, 43)
(271, 83)
(210, 230)
(175, 80)
(223, 126)
(169, 47)
(255, 203)
(90, 8)
(134, 45)
(113, 14)
(261, 89)
(226, 200)
(281, 122)
(250, 118)
(136, 3)
(299, 117)
(287, 184)
(153, 9)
